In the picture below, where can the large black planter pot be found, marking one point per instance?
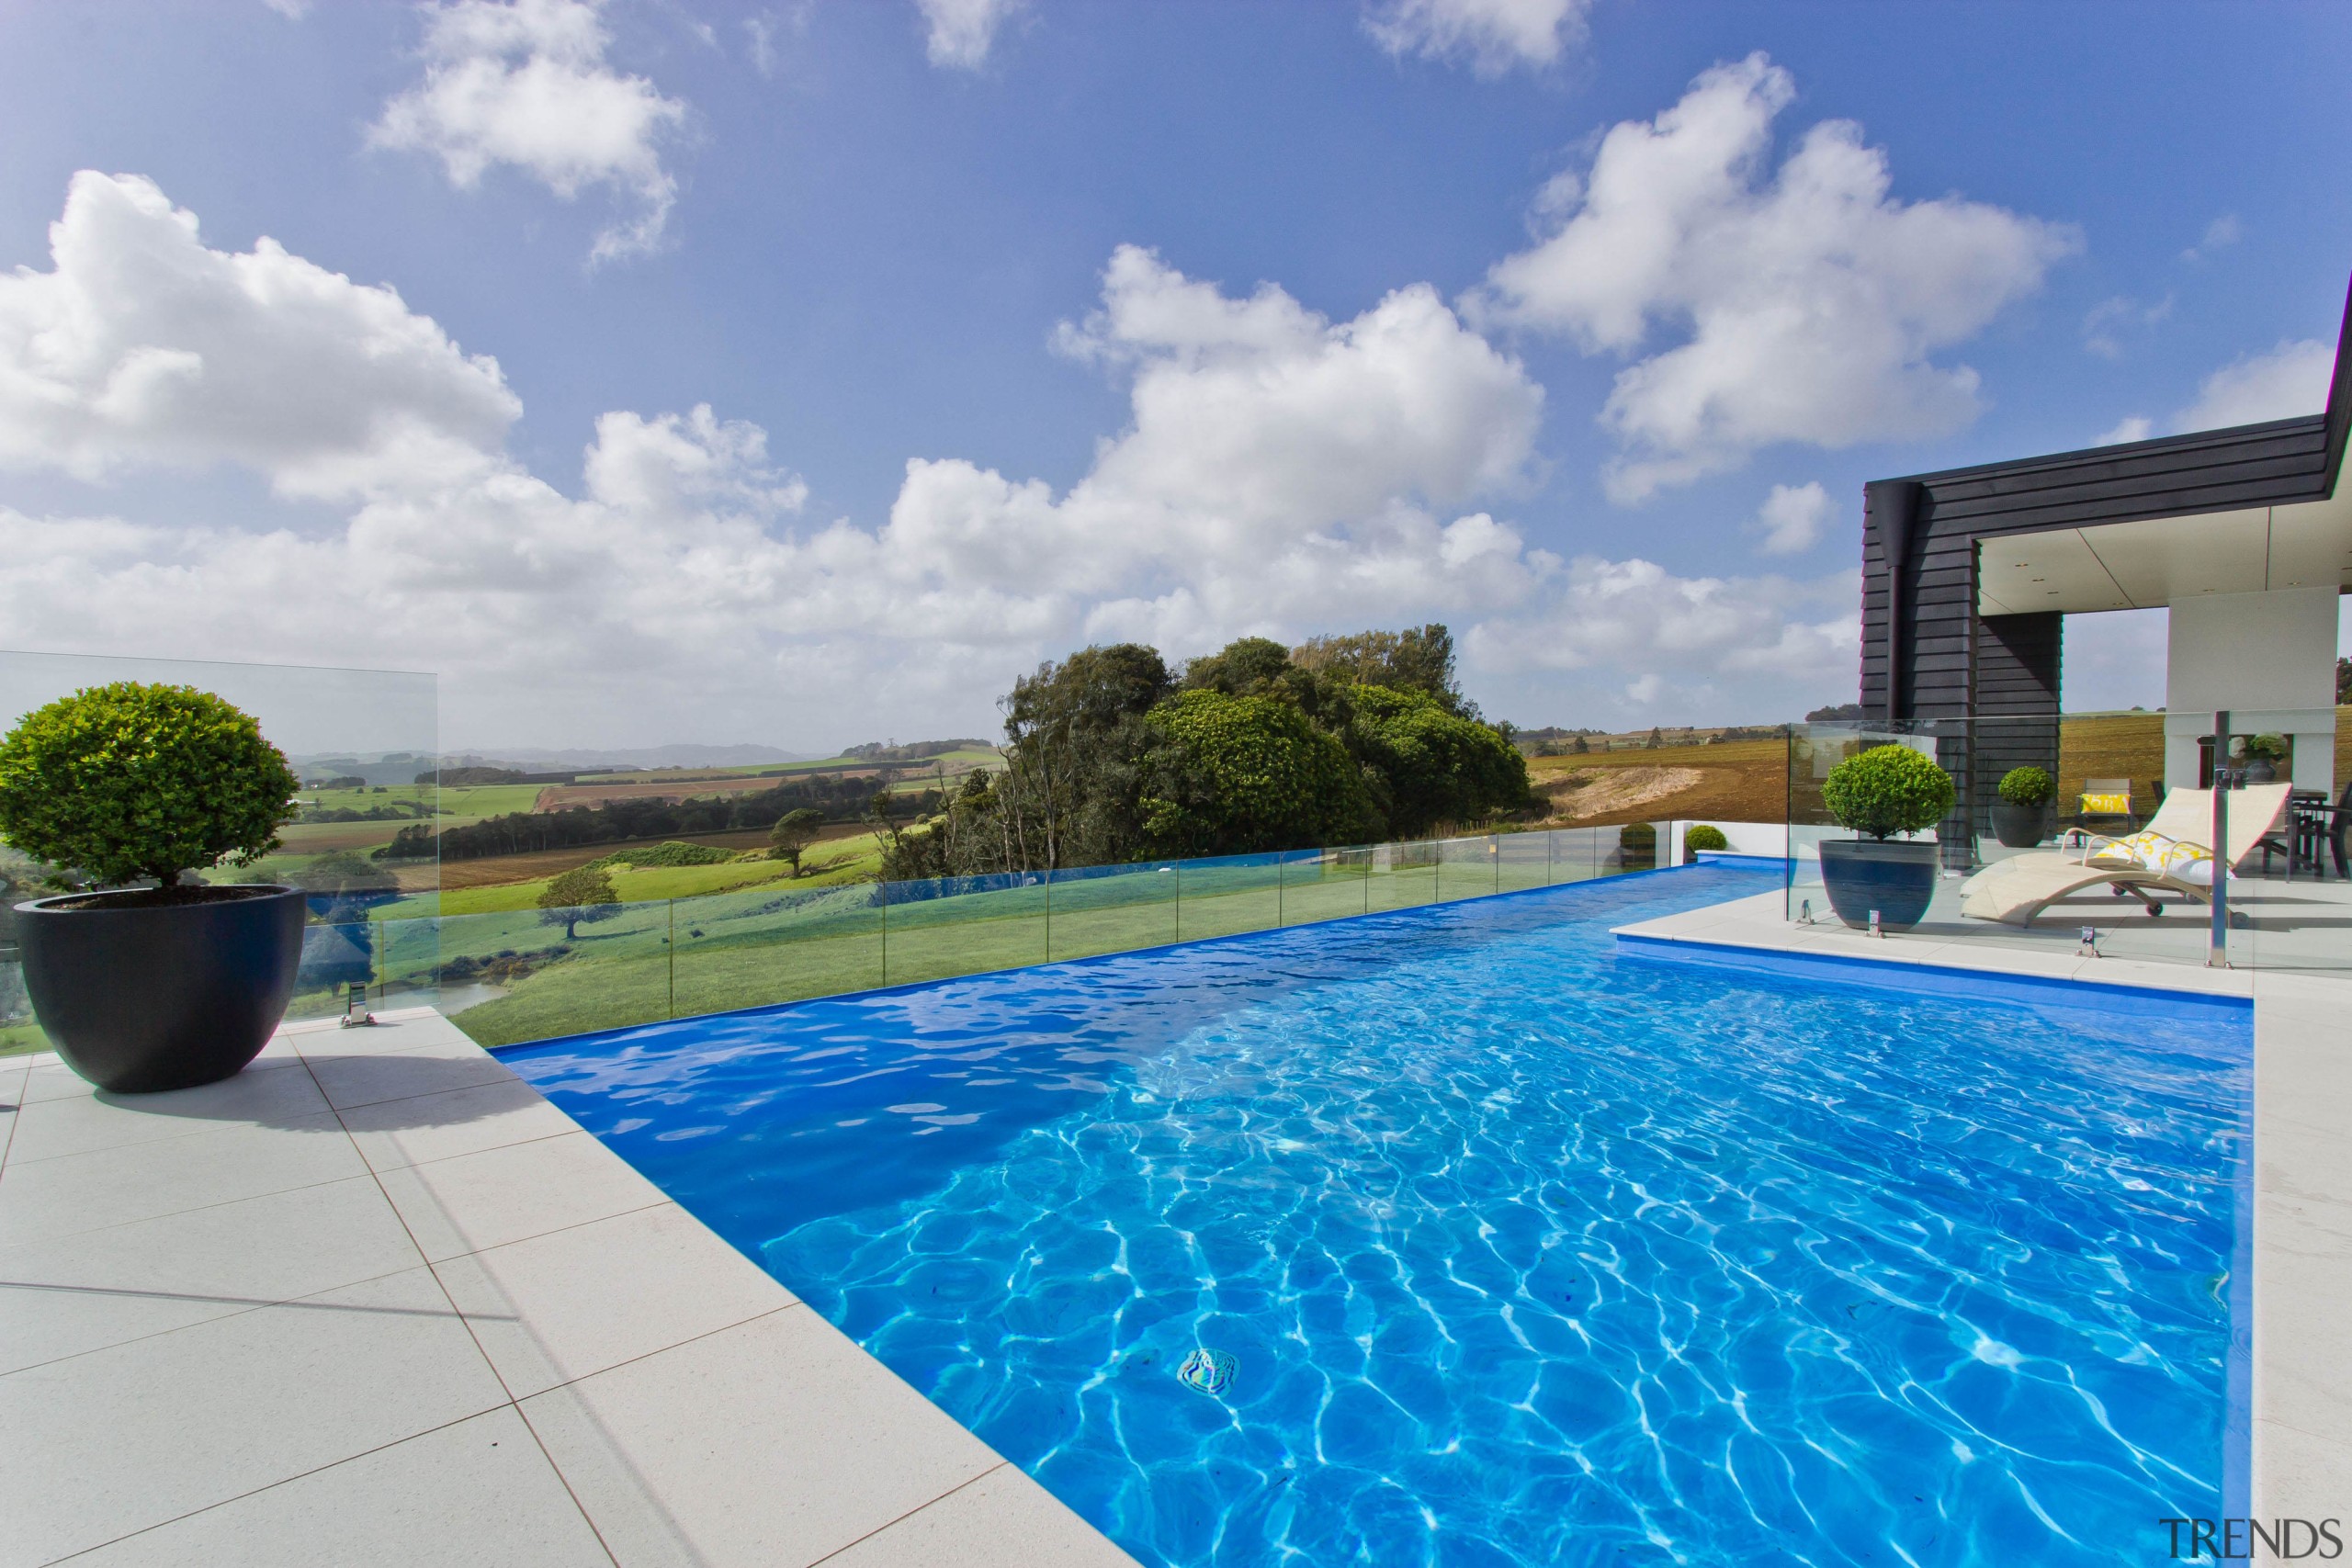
(163, 996)
(1862, 875)
(2020, 826)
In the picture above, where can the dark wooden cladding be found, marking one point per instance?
(1928, 654)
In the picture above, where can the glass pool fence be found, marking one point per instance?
(365, 743)
(2026, 874)
(532, 975)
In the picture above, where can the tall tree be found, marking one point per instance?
(793, 833)
(582, 894)
(1418, 660)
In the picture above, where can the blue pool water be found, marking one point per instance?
(1455, 1237)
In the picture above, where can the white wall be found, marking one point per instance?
(2269, 658)
(1747, 839)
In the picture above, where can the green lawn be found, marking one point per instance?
(740, 950)
(669, 957)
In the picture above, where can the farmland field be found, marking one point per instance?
(956, 764)
(1734, 780)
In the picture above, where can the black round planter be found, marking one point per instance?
(1862, 875)
(165, 996)
(2020, 826)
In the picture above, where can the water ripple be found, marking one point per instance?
(1507, 1253)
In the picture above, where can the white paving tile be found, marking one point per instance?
(12, 1098)
(1003, 1520)
(395, 1133)
(391, 1033)
(464, 1204)
(2299, 1475)
(369, 1078)
(54, 1082)
(576, 1302)
(770, 1445)
(86, 1291)
(2302, 1334)
(79, 1123)
(123, 1438)
(476, 1495)
(112, 1186)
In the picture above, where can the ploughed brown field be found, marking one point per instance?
(1732, 781)
(1745, 781)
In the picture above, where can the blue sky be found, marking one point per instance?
(1542, 319)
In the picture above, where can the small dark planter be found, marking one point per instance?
(2020, 827)
(1897, 879)
(168, 996)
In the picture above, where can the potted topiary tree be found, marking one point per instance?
(2021, 817)
(1880, 793)
(170, 984)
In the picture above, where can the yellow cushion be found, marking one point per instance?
(2107, 804)
(2175, 858)
(2140, 851)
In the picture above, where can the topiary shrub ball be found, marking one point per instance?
(1888, 790)
(133, 781)
(2028, 786)
(1703, 836)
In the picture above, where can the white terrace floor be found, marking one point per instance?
(2304, 924)
(375, 1301)
(2302, 1144)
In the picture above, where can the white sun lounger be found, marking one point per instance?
(2016, 889)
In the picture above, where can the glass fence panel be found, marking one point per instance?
(1227, 895)
(1111, 908)
(1325, 885)
(2025, 874)
(1468, 868)
(1598, 854)
(962, 925)
(773, 944)
(19, 1030)
(365, 744)
(1404, 876)
(1523, 861)
(537, 974)
(408, 962)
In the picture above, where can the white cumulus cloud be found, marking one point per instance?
(1793, 518)
(2289, 380)
(1281, 471)
(960, 33)
(1638, 619)
(2255, 388)
(142, 346)
(1492, 35)
(1806, 301)
(526, 84)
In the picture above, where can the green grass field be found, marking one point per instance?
(785, 943)
(781, 942)
(826, 864)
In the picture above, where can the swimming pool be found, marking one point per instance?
(1454, 1236)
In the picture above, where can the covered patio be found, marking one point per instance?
(2243, 535)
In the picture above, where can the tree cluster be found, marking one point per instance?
(1112, 756)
